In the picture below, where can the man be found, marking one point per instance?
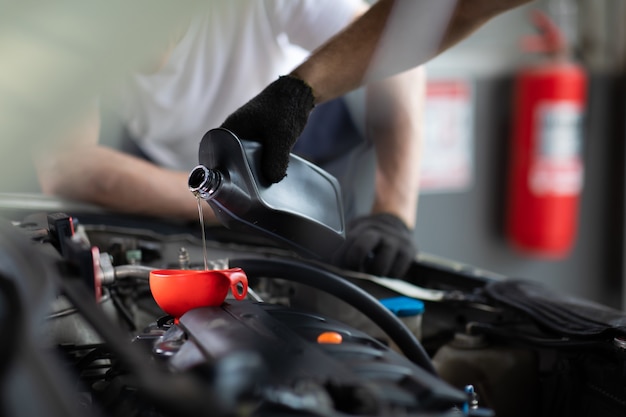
(352, 58)
(393, 36)
(218, 63)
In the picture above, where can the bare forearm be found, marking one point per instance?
(340, 64)
(119, 182)
(394, 116)
(469, 15)
(345, 62)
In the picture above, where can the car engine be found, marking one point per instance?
(84, 336)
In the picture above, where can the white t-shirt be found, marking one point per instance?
(226, 57)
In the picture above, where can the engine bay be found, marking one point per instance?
(85, 336)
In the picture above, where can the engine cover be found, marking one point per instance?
(300, 361)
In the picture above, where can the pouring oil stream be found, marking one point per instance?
(200, 214)
(203, 183)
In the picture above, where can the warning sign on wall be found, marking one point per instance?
(447, 144)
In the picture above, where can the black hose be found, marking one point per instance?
(11, 323)
(122, 309)
(343, 289)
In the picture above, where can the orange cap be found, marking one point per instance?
(330, 338)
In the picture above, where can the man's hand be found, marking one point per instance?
(275, 118)
(379, 244)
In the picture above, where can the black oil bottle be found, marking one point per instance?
(302, 212)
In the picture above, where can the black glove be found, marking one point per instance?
(379, 244)
(275, 118)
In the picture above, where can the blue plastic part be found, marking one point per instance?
(403, 306)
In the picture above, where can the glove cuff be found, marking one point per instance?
(300, 93)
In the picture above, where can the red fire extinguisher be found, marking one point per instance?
(546, 166)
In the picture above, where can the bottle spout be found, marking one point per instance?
(204, 182)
